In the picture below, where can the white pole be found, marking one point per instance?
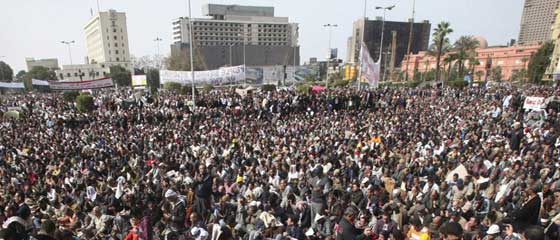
(191, 54)
(330, 26)
(244, 63)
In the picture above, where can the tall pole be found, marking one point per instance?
(382, 32)
(230, 61)
(359, 80)
(98, 8)
(158, 40)
(69, 51)
(410, 38)
(191, 54)
(330, 26)
(244, 63)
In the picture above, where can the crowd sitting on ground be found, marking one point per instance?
(390, 163)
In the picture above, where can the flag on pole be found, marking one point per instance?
(369, 70)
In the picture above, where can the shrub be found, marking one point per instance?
(458, 83)
(207, 87)
(172, 86)
(303, 88)
(340, 83)
(268, 87)
(70, 96)
(84, 103)
(412, 84)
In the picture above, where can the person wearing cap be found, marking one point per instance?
(493, 233)
(177, 213)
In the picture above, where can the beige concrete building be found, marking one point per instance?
(107, 39)
(536, 21)
(50, 63)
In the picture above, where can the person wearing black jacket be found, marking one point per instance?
(346, 228)
(528, 213)
(203, 191)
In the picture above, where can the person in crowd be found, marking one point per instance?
(345, 163)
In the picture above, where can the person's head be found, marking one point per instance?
(416, 223)
(48, 227)
(194, 218)
(533, 233)
(350, 214)
(202, 169)
(452, 231)
(493, 231)
(20, 197)
(171, 195)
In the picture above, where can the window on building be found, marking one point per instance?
(114, 37)
(109, 51)
(116, 44)
(96, 73)
(117, 59)
(123, 45)
(114, 30)
(109, 44)
(116, 51)
(75, 74)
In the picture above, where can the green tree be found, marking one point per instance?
(121, 77)
(473, 62)
(20, 76)
(448, 60)
(496, 73)
(440, 37)
(84, 103)
(152, 79)
(465, 46)
(539, 62)
(41, 73)
(6, 72)
(172, 86)
(479, 74)
(180, 61)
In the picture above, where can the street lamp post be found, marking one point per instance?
(69, 51)
(383, 30)
(191, 54)
(330, 26)
(158, 40)
(410, 39)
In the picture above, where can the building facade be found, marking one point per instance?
(50, 63)
(83, 72)
(234, 35)
(107, 46)
(511, 59)
(107, 39)
(536, 21)
(554, 67)
(372, 38)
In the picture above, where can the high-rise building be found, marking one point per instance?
(537, 20)
(372, 39)
(107, 46)
(50, 63)
(234, 35)
(107, 39)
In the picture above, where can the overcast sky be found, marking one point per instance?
(34, 28)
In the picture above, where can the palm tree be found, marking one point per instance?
(524, 70)
(449, 59)
(440, 38)
(465, 47)
(473, 62)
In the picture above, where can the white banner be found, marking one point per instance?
(369, 70)
(11, 85)
(225, 75)
(139, 80)
(534, 103)
(91, 84)
(39, 82)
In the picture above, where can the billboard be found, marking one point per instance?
(82, 85)
(139, 80)
(225, 75)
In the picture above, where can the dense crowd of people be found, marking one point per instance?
(390, 163)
